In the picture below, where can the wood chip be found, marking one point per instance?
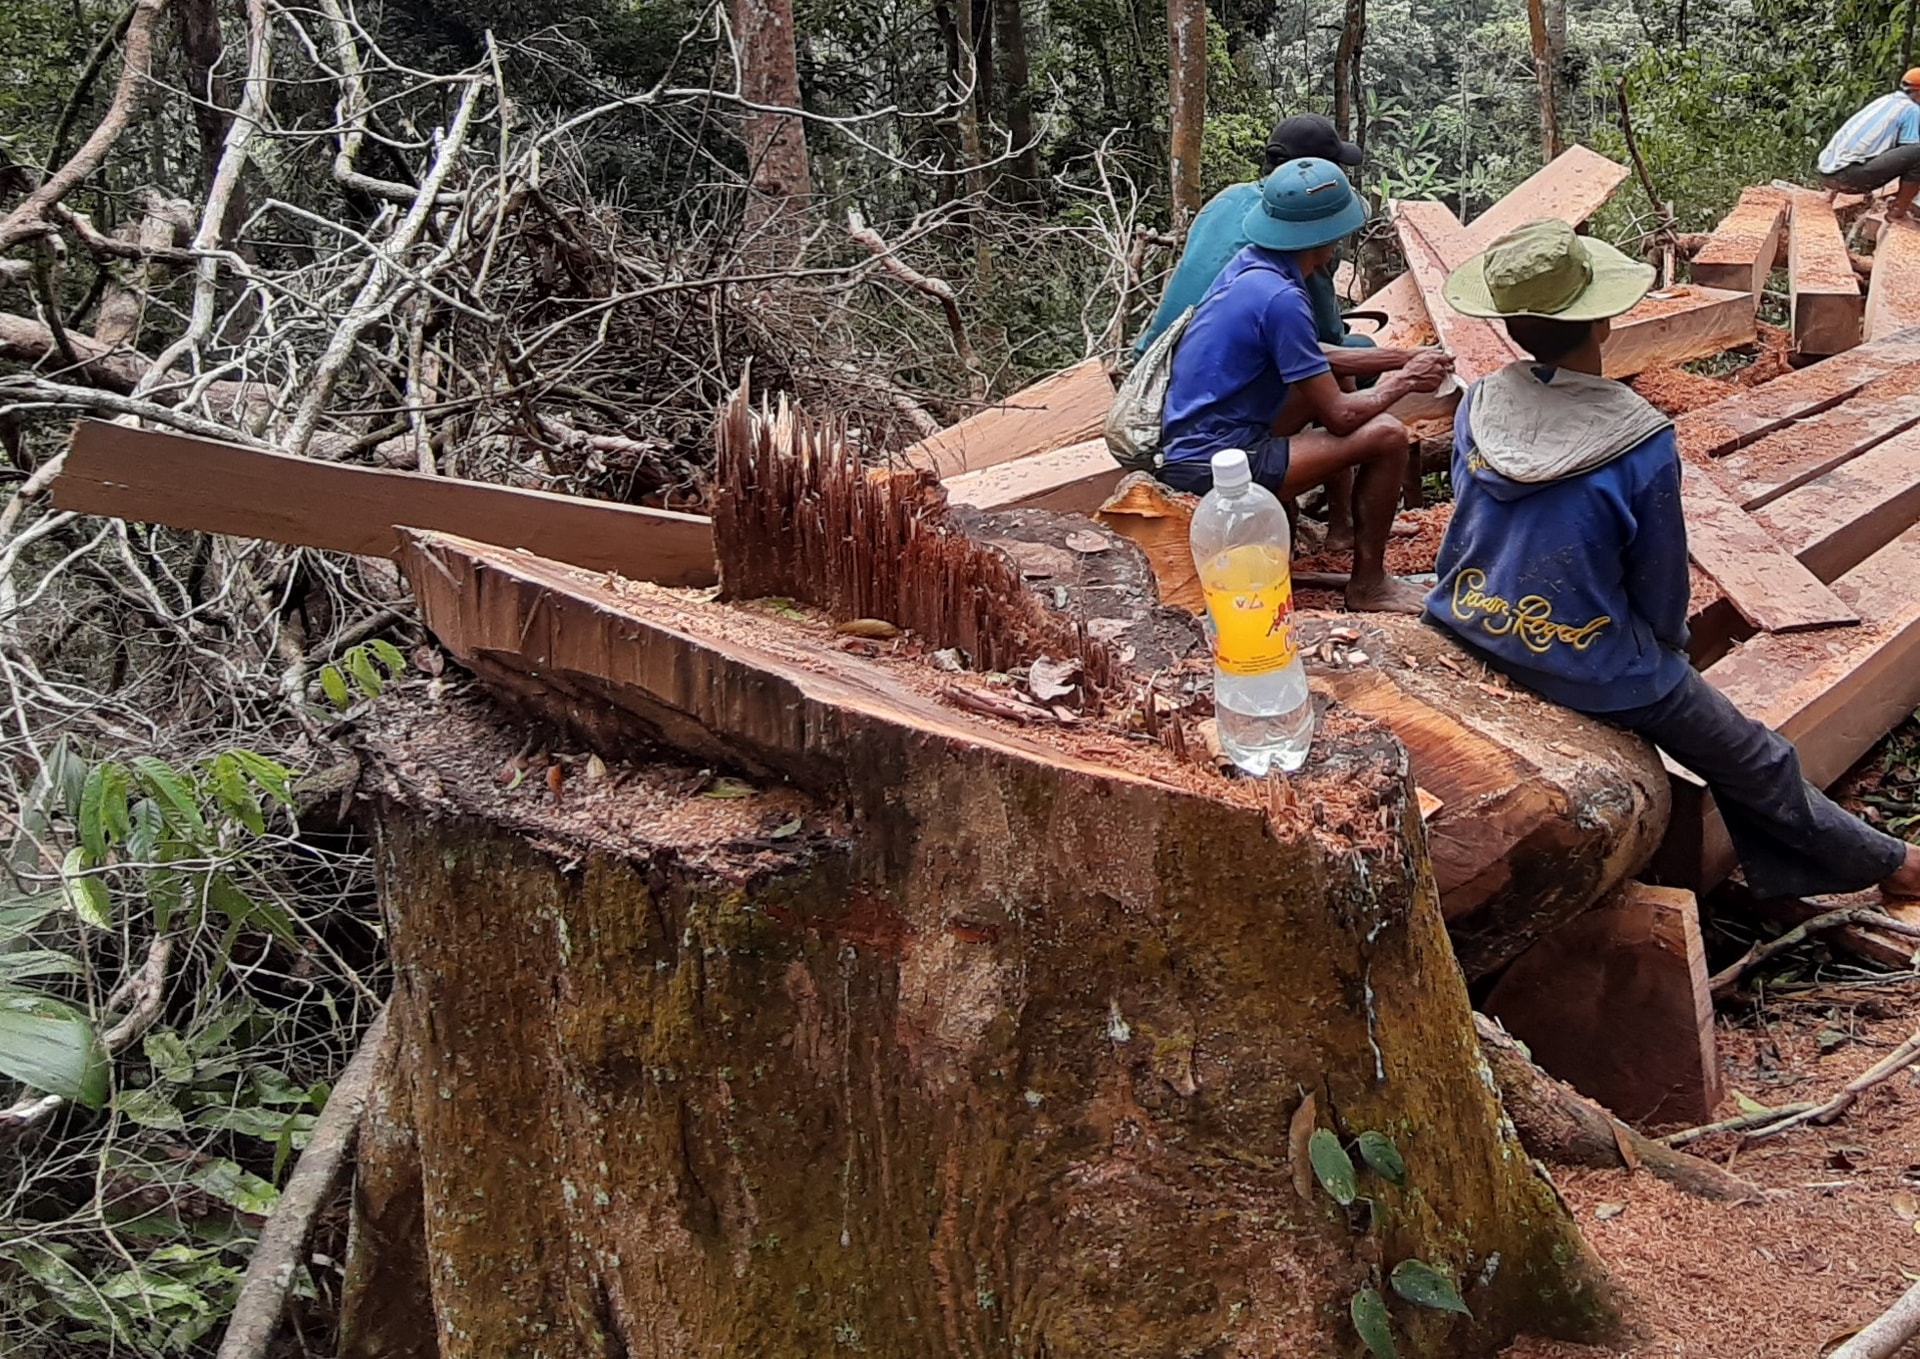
(877, 628)
(1088, 542)
(1299, 1133)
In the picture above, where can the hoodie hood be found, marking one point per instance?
(1535, 425)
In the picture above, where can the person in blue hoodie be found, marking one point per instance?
(1564, 566)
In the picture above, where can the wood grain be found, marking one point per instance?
(1077, 478)
(191, 483)
(1692, 322)
(1716, 430)
(1739, 255)
(1893, 295)
(1769, 587)
(1827, 306)
(1068, 408)
(1434, 245)
(1789, 458)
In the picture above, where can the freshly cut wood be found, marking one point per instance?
(1571, 187)
(974, 940)
(1157, 519)
(1893, 297)
(1739, 255)
(1068, 408)
(1827, 306)
(1846, 514)
(1716, 430)
(1560, 1126)
(1833, 694)
(1769, 587)
(1542, 811)
(1789, 458)
(1434, 245)
(1078, 477)
(1674, 326)
(190, 483)
(1616, 1003)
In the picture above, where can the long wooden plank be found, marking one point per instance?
(191, 483)
(1893, 295)
(1769, 588)
(1571, 187)
(1790, 458)
(1434, 245)
(1671, 327)
(1827, 306)
(1739, 255)
(1716, 430)
(1833, 694)
(1077, 478)
(1845, 515)
(1068, 408)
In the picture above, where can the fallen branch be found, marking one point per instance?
(1724, 981)
(1561, 1126)
(263, 1293)
(1883, 1337)
(1739, 1123)
(1899, 1059)
(937, 288)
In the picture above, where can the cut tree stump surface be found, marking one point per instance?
(1893, 295)
(1827, 306)
(1674, 326)
(1037, 1012)
(1434, 245)
(1739, 255)
(1068, 408)
(1616, 1004)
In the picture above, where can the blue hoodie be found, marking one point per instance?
(1565, 562)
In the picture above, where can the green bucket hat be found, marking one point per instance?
(1543, 269)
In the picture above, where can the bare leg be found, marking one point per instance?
(1340, 512)
(1902, 200)
(1906, 880)
(1377, 452)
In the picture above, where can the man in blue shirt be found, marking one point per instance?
(1249, 373)
(1565, 562)
(1879, 143)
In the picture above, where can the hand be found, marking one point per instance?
(1428, 370)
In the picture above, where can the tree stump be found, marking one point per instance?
(922, 1033)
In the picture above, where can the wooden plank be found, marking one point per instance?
(1763, 581)
(1893, 297)
(1671, 327)
(1833, 694)
(1716, 430)
(1068, 408)
(1789, 458)
(1158, 520)
(1827, 306)
(1739, 255)
(1572, 187)
(1076, 478)
(1616, 1004)
(1434, 245)
(1848, 513)
(191, 483)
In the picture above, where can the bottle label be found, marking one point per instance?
(1252, 628)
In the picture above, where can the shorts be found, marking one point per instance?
(1267, 460)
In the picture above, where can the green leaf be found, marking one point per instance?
(727, 789)
(236, 1187)
(93, 817)
(177, 802)
(36, 962)
(19, 922)
(390, 657)
(147, 828)
(1378, 1151)
(334, 685)
(150, 1108)
(360, 666)
(236, 794)
(51, 1046)
(1369, 1312)
(171, 1057)
(1332, 1166)
(86, 895)
(240, 909)
(1749, 1105)
(271, 775)
(785, 830)
(1420, 1283)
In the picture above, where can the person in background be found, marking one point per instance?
(1879, 144)
(1250, 373)
(1564, 566)
(1216, 236)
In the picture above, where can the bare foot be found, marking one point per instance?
(1391, 595)
(1905, 883)
(1339, 539)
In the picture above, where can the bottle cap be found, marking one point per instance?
(1230, 470)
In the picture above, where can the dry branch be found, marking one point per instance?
(1893, 1063)
(1884, 1336)
(937, 288)
(1724, 981)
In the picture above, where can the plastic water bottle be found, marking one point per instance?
(1243, 550)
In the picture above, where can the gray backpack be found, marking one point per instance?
(1133, 423)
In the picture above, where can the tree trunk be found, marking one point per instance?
(1186, 103)
(966, 77)
(1544, 73)
(1010, 21)
(1348, 86)
(202, 45)
(990, 1041)
(778, 182)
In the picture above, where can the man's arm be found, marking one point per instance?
(1318, 400)
(1365, 362)
(1657, 580)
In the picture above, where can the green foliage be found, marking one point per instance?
(1369, 1312)
(1382, 1157)
(1332, 1166)
(364, 670)
(1423, 1285)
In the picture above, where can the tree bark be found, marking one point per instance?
(996, 1044)
(204, 48)
(1348, 86)
(1187, 102)
(778, 180)
(1010, 20)
(966, 78)
(1545, 64)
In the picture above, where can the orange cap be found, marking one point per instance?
(1911, 80)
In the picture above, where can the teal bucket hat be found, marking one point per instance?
(1304, 204)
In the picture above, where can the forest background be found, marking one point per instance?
(477, 238)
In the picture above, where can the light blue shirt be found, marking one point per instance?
(1889, 121)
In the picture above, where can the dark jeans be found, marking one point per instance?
(1793, 840)
(1902, 163)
